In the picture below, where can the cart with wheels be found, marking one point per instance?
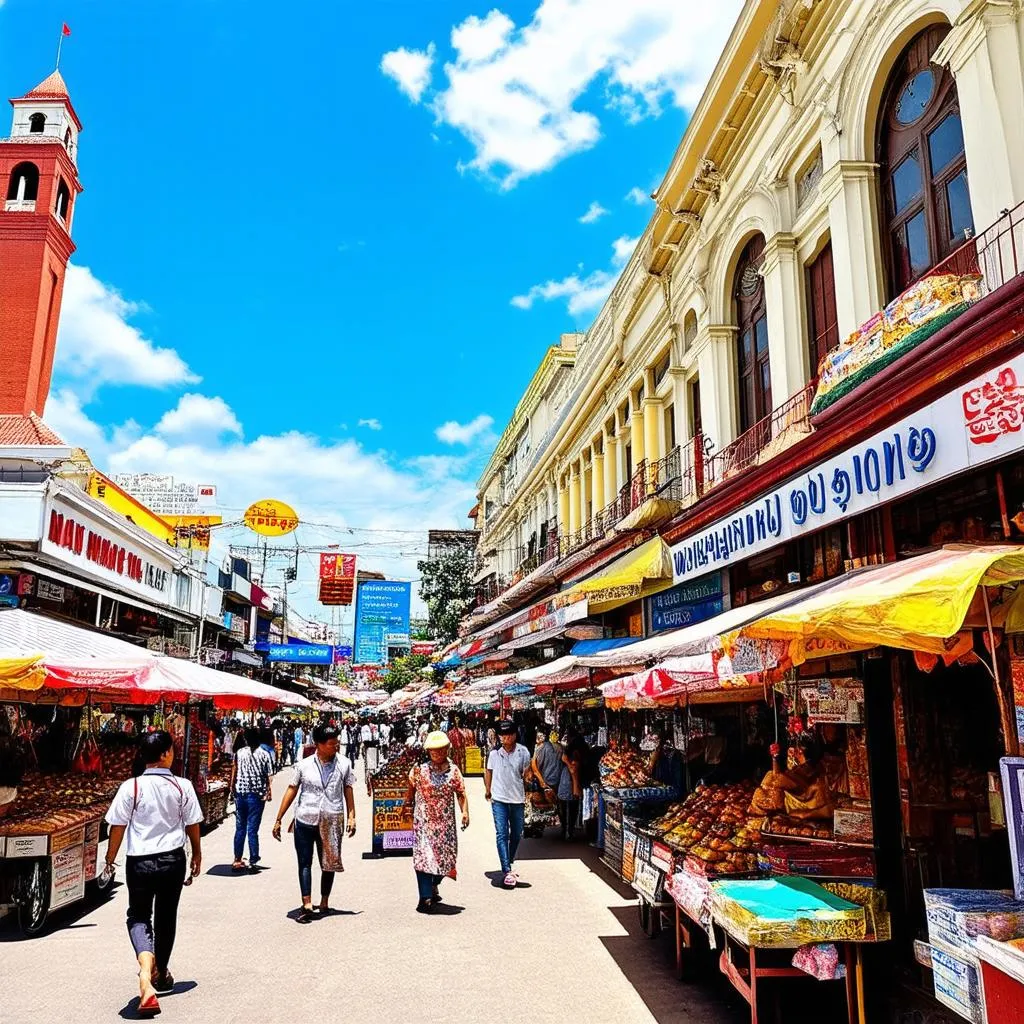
(44, 866)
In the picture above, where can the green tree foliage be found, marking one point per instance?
(446, 586)
(403, 671)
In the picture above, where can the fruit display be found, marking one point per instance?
(798, 828)
(624, 769)
(395, 770)
(712, 825)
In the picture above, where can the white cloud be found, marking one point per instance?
(595, 211)
(637, 195)
(97, 344)
(528, 96)
(411, 69)
(583, 294)
(371, 424)
(196, 417)
(383, 519)
(453, 432)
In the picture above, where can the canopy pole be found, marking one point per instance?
(1009, 720)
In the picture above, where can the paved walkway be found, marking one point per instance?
(563, 947)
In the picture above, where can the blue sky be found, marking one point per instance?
(301, 237)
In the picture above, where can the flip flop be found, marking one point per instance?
(148, 1007)
(305, 916)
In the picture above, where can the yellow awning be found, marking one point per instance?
(916, 604)
(24, 672)
(630, 576)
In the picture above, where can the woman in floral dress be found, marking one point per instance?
(435, 786)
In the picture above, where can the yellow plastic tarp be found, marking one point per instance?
(917, 604)
(629, 576)
(23, 672)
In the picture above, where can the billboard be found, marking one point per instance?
(165, 496)
(337, 578)
(270, 518)
(382, 619)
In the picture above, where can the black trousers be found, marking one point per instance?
(154, 889)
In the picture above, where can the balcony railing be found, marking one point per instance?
(765, 439)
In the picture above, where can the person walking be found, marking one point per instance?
(504, 787)
(251, 776)
(323, 785)
(352, 742)
(385, 739)
(435, 841)
(288, 743)
(152, 814)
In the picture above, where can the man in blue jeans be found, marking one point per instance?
(251, 775)
(504, 787)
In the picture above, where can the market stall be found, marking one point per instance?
(392, 817)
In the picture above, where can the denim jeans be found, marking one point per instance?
(427, 883)
(307, 837)
(248, 815)
(508, 824)
(154, 888)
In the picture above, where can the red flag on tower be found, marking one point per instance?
(65, 30)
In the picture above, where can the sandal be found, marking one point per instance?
(305, 916)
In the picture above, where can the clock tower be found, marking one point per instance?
(38, 189)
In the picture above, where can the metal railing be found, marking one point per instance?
(996, 254)
(765, 439)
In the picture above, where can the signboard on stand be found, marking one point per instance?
(392, 821)
(337, 578)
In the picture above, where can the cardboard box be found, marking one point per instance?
(958, 984)
(27, 846)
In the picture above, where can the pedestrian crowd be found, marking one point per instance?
(156, 813)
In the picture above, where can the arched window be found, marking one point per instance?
(67, 140)
(37, 124)
(753, 373)
(24, 183)
(925, 198)
(63, 203)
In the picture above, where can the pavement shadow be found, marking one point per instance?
(446, 910)
(580, 849)
(225, 871)
(498, 880)
(68, 917)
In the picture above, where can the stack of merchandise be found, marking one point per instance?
(625, 773)
(395, 770)
(712, 826)
(957, 920)
(47, 803)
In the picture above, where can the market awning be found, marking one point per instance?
(531, 639)
(630, 576)
(916, 604)
(245, 658)
(561, 670)
(585, 647)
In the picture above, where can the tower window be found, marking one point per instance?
(67, 140)
(63, 201)
(37, 124)
(24, 183)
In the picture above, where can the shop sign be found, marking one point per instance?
(686, 603)
(301, 654)
(964, 429)
(551, 615)
(270, 518)
(67, 870)
(8, 585)
(648, 881)
(392, 819)
(382, 611)
(165, 496)
(79, 542)
(49, 591)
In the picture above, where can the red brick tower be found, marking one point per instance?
(39, 183)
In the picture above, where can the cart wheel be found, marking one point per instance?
(650, 918)
(34, 898)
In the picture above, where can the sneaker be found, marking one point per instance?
(163, 983)
(510, 880)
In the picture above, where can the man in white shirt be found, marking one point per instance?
(385, 738)
(505, 788)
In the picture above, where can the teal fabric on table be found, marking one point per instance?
(781, 899)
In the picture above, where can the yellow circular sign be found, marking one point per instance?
(270, 517)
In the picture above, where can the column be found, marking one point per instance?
(848, 186)
(611, 467)
(716, 365)
(584, 497)
(636, 431)
(574, 498)
(680, 405)
(983, 52)
(597, 478)
(784, 294)
(563, 507)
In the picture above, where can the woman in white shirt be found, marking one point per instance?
(153, 813)
(323, 785)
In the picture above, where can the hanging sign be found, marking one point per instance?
(270, 518)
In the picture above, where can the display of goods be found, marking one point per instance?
(624, 769)
(797, 828)
(40, 794)
(958, 984)
(693, 895)
(854, 825)
(395, 770)
(783, 913)
(816, 860)
(957, 917)
(820, 960)
(49, 821)
(117, 761)
(713, 827)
